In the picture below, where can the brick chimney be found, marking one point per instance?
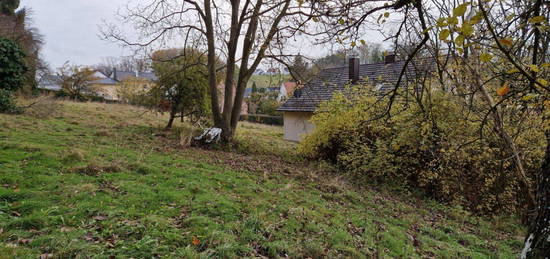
(354, 70)
(390, 58)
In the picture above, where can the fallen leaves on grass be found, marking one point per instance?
(23, 241)
(195, 241)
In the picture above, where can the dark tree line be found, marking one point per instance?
(16, 25)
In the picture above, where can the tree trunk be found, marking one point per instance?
(508, 143)
(212, 77)
(537, 242)
(171, 120)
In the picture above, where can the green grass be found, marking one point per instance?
(94, 180)
(265, 81)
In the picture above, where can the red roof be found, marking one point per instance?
(290, 86)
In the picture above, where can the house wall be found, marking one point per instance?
(297, 124)
(115, 92)
(109, 92)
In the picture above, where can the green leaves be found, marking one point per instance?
(476, 18)
(442, 22)
(461, 9)
(459, 40)
(452, 20)
(444, 34)
(537, 19)
(467, 29)
(485, 57)
(534, 68)
(543, 82)
(12, 66)
(8, 7)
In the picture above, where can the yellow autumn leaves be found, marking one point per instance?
(503, 90)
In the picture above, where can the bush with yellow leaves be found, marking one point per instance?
(440, 145)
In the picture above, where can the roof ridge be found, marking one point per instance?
(321, 87)
(365, 64)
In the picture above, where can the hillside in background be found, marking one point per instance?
(91, 179)
(266, 81)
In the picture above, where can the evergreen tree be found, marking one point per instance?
(12, 69)
(300, 69)
(7, 7)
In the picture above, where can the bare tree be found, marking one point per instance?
(76, 81)
(240, 32)
(17, 26)
(478, 46)
(127, 63)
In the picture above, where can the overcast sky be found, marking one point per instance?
(71, 31)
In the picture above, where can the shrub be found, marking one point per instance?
(262, 118)
(12, 70)
(435, 147)
(44, 108)
(7, 105)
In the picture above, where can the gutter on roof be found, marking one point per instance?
(295, 110)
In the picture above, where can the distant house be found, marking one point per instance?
(247, 92)
(104, 86)
(286, 90)
(297, 110)
(108, 87)
(130, 82)
(49, 83)
(273, 71)
(273, 89)
(259, 71)
(121, 76)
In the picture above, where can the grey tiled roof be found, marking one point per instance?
(105, 81)
(148, 75)
(50, 82)
(123, 75)
(322, 87)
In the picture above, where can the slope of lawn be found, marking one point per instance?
(89, 180)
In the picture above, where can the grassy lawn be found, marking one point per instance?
(89, 180)
(265, 81)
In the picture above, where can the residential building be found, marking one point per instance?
(298, 110)
(50, 83)
(109, 87)
(286, 90)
